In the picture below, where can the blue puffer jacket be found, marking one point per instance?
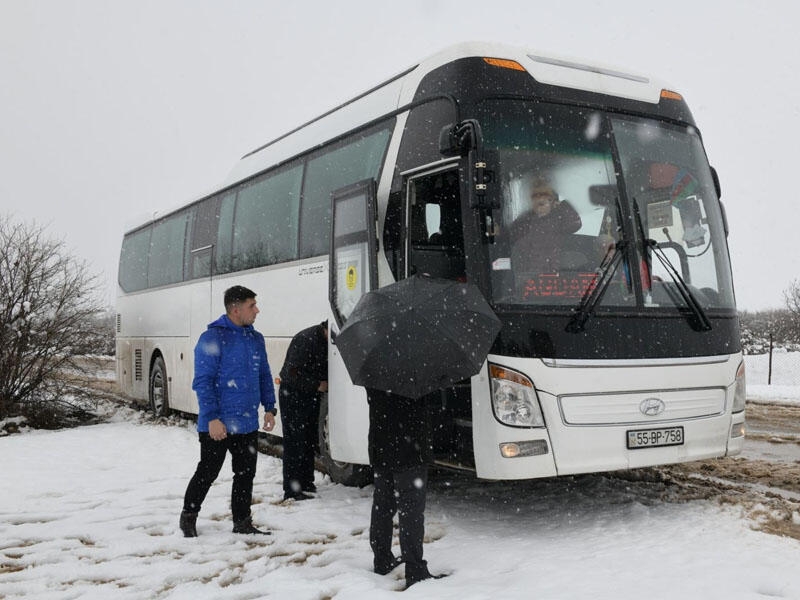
(232, 376)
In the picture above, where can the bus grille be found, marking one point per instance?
(137, 364)
(630, 408)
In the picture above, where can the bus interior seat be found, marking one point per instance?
(577, 253)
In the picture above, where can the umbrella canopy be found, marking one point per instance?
(417, 335)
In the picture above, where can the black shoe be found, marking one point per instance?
(310, 488)
(416, 575)
(412, 581)
(296, 496)
(246, 526)
(386, 568)
(188, 523)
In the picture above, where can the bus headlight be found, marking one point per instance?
(514, 399)
(740, 391)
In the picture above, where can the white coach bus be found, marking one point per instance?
(620, 342)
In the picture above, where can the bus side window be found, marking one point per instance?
(436, 238)
(203, 228)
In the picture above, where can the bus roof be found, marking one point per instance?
(400, 89)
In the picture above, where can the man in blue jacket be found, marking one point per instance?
(231, 378)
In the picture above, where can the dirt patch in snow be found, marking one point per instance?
(766, 490)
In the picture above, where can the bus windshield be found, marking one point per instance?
(570, 216)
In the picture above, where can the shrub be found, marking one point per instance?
(48, 320)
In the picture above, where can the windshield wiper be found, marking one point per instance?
(702, 323)
(594, 293)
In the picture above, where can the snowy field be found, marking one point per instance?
(92, 513)
(785, 387)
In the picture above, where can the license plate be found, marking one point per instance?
(653, 438)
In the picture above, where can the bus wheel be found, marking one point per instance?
(159, 392)
(339, 472)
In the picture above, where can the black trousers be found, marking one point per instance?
(300, 421)
(403, 493)
(244, 457)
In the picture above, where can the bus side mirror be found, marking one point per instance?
(448, 143)
(724, 218)
(718, 189)
(717, 186)
(459, 139)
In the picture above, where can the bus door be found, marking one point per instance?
(352, 273)
(435, 246)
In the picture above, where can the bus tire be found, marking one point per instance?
(159, 389)
(340, 472)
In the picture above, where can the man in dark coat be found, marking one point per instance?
(399, 451)
(304, 377)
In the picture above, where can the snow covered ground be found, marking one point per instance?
(785, 386)
(92, 513)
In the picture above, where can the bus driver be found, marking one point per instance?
(537, 235)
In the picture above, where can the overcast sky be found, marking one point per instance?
(110, 110)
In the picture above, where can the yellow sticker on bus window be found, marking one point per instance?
(351, 277)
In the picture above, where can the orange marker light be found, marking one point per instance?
(498, 372)
(504, 63)
(670, 95)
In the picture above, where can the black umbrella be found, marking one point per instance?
(417, 335)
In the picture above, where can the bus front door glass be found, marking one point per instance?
(353, 260)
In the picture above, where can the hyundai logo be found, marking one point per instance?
(652, 406)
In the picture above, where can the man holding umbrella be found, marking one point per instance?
(403, 342)
(399, 451)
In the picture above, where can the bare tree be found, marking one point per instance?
(48, 308)
(791, 297)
